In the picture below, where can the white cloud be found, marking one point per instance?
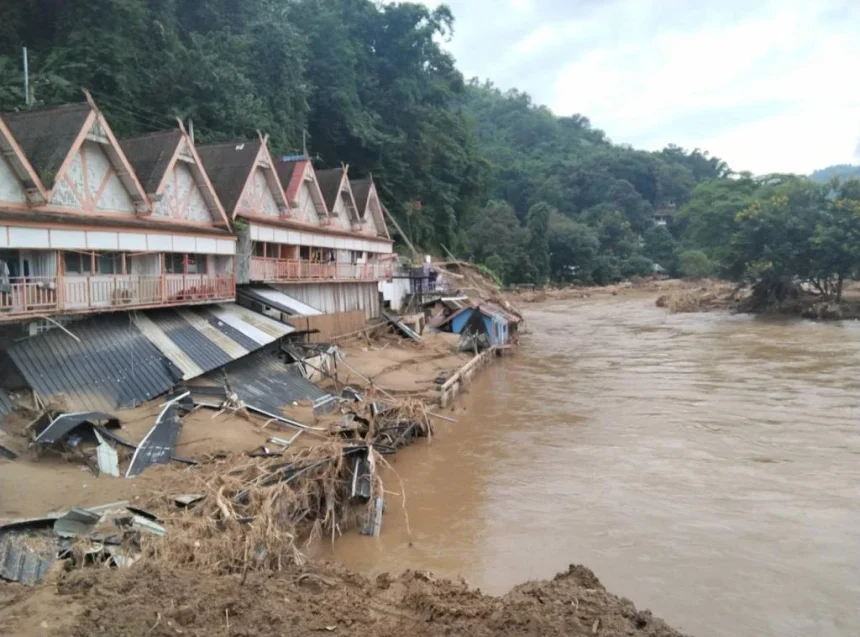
(766, 85)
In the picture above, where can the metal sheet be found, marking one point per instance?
(231, 332)
(64, 424)
(112, 367)
(5, 403)
(20, 563)
(258, 327)
(122, 361)
(400, 325)
(266, 382)
(192, 342)
(278, 300)
(157, 446)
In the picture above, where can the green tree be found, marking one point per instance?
(694, 264)
(573, 248)
(537, 223)
(660, 246)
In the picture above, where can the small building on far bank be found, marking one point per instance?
(485, 319)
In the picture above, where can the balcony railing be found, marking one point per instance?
(33, 296)
(265, 269)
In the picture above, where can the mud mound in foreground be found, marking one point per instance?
(157, 601)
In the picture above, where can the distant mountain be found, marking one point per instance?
(845, 171)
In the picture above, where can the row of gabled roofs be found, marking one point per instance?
(236, 179)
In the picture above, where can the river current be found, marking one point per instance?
(706, 466)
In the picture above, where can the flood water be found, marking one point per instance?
(707, 466)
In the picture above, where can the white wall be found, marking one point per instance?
(10, 186)
(330, 298)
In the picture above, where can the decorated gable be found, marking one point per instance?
(257, 197)
(182, 197)
(373, 217)
(11, 188)
(91, 183)
(307, 209)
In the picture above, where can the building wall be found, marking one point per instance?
(336, 297)
(307, 211)
(181, 197)
(394, 292)
(10, 186)
(91, 183)
(243, 256)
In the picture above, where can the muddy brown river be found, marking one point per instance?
(707, 466)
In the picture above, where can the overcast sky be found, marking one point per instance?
(767, 85)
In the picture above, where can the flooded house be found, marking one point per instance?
(80, 233)
(305, 248)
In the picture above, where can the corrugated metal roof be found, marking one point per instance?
(121, 361)
(278, 300)
(193, 342)
(5, 402)
(263, 380)
(113, 366)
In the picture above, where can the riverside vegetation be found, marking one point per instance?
(486, 174)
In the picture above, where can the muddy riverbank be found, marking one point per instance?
(704, 465)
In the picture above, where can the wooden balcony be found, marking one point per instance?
(27, 297)
(286, 270)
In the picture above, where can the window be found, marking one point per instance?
(78, 262)
(196, 263)
(174, 263)
(111, 263)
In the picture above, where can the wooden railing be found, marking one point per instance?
(265, 269)
(32, 296)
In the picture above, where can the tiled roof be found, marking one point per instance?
(329, 182)
(361, 192)
(150, 156)
(46, 135)
(228, 166)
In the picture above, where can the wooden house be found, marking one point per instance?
(79, 233)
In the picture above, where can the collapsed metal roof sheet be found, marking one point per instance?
(111, 365)
(120, 360)
(263, 380)
(279, 301)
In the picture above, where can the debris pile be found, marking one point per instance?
(108, 535)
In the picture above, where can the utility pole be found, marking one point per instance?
(26, 79)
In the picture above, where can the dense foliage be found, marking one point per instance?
(462, 165)
(843, 171)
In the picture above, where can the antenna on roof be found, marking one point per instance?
(26, 79)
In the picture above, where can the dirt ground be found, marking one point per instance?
(50, 482)
(403, 368)
(319, 598)
(585, 292)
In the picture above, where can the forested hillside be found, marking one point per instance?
(843, 171)
(485, 173)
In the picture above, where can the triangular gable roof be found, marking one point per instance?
(332, 181)
(22, 167)
(231, 165)
(363, 190)
(292, 175)
(51, 137)
(154, 156)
